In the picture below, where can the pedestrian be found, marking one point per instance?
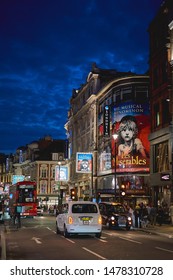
(153, 215)
(137, 216)
(160, 215)
(171, 213)
(144, 216)
(131, 213)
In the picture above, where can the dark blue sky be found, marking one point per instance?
(47, 48)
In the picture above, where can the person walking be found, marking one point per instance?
(137, 216)
(171, 213)
(160, 214)
(153, 215)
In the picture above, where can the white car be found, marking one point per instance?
(79, 217)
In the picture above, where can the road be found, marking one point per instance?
(37, 239)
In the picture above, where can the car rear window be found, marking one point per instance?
(116, 209)
(84, 208)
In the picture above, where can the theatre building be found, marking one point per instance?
(123, 145)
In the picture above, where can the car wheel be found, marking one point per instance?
(66, 234)
(98, 235)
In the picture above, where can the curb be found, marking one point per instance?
(155, 232)
(3, 246)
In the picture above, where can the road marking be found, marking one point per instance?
(101, 257)
(166, 250)
(68, 239)
(101, 239)
(48, 228)
(131, 240)
(37, 240)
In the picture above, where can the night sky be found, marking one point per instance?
(47, 48)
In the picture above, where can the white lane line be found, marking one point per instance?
(37, 240)
(54, 231)
(166, 250)
(101, 239)
(68, 239)
(131, 240)
(97, 255)
(48, 228)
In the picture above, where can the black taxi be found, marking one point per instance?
(114, 215)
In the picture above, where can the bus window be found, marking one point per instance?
(26, 195)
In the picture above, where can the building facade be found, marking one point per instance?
(161, 100)
(123, 162)
(123, 94)
(43, 161)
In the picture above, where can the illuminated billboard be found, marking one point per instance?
(17, 178)
(131, 124)
(84, 162)
(61, 173)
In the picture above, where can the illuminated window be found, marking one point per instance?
(161, 161)
(156, 115)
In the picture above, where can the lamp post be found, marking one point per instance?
(115, 136)
(92, 193)
(59, 178)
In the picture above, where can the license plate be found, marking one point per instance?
(85, 220)
(122, 221)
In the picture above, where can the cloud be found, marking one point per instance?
(48, 48)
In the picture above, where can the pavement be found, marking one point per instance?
(165, 230)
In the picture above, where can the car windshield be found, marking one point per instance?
(116, 209)
(84, 208)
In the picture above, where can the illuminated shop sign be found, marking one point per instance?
(106, 121)
(165, 177)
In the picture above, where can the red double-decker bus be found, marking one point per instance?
(23, 199)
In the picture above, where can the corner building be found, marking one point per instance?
(161, 101)
(96, 110)
(123, 171)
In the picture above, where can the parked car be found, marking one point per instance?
(79, 217)
(114, 215)
(39, 211)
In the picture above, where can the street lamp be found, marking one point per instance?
(59, 179)
(115, 136)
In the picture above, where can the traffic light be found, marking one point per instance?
(73, 194)
(123, 190)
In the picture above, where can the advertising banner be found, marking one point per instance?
(84, 162)
(17, 178)
(131, 124)
(61, 173)
(106, 121)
